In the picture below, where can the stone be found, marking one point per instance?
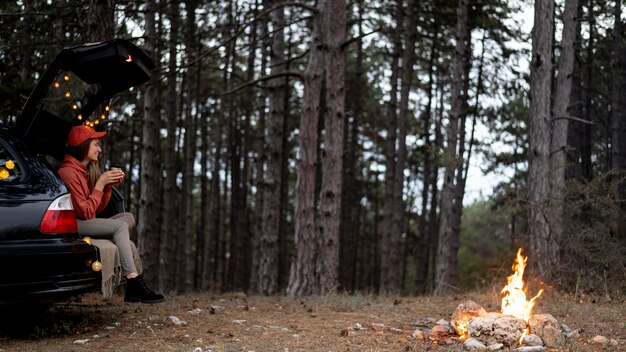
(358, 326)
(174, 320)
(548, 329)
(532, 340)
(531, 349)
(473, 344)
(81, 342)
(239, 321)
(493, 328)
(442, 329)
(196, 311)
(442, 322)
(569, 333)
(495, 347)
(463, 313)
(600, 340)
(440, 332)
(418, 335)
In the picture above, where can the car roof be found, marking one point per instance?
(106, 68)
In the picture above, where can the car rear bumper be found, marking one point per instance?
(47, 270)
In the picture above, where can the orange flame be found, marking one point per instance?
(514, 302)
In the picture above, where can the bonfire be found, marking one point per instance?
(514, 325)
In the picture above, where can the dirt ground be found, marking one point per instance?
(236, 322)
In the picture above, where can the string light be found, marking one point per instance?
(75, 104)
(9, 164)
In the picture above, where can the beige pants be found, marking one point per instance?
(117, 229)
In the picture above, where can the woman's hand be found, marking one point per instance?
(108, 178)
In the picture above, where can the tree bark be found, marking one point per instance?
(558, 146)
(168, 261)
(147, 223)
(399, 208)
(618, 124)
(352, 241)
(269, 258)
(325, 69)
(541, 242)
(446, 271)
(185, 273)
(424, 242)
(100, 20)
(388, 265)
(334, 25)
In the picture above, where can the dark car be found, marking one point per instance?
(42, 258)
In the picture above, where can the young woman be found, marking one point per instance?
(90, 192)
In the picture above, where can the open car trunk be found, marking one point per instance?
(75, 89)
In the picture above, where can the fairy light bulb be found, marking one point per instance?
(80, 116)
(66, 78)
(68, 94)
(56, 85)
(107, 108)
(74, 106)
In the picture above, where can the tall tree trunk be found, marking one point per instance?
(388, 265)
(424, 241)
(268, 273)
(618, 124)
(303, 279)
(334, 24)
(168, 262)
(539, 144)
(351, 240)
(463, 170)
(558, 147)
(100, 20)
(27, 40)
(243, 223)
(446, 274)
(148, 230)
(575, 128)
(261, 152)
(586, 145)
(315, 268)
(399, 208)
(185, 272)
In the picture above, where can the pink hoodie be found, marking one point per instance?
(86, 204)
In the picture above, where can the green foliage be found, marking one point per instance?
(593, 260)
(485, 245)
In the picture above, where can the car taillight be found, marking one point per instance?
(60, 217)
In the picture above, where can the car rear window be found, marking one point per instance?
(67, 96)
(10, 170)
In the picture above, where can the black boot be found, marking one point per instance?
(137, 291)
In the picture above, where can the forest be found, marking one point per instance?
(310, 147)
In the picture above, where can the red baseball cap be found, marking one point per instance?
(80, 134)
